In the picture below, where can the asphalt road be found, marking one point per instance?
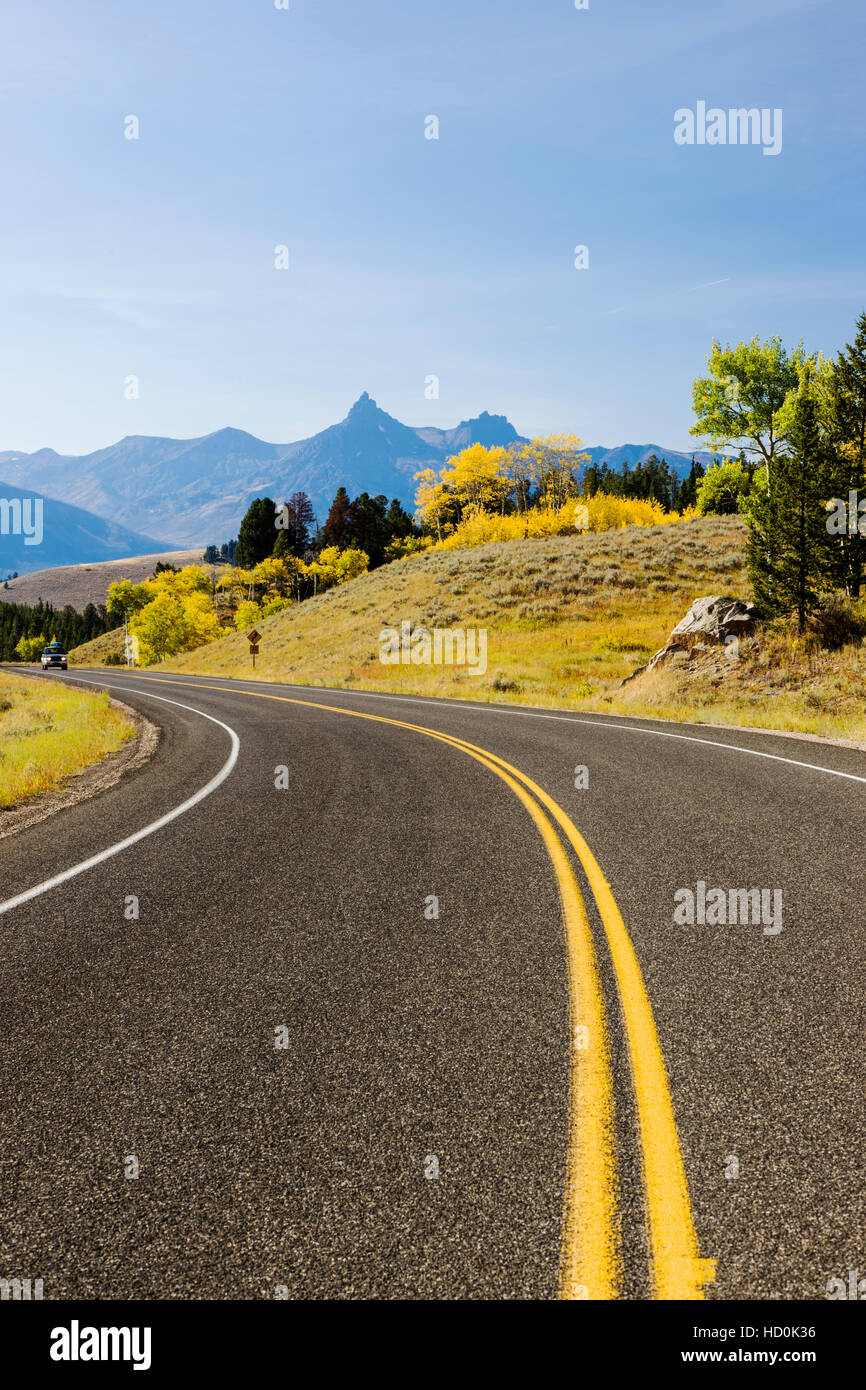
(425, 1127)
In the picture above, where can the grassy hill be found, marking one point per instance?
(83, 584)
(94, 653)
(567, 619)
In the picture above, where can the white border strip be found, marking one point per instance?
(541, 714)
(100, 858)
(625, 728)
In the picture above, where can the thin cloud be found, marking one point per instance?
(661, 298)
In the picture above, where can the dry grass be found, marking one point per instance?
(776, 682)
(49, 733)
(83, 584)
(566, 618)
(94, 653)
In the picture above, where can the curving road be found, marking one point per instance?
(328, 1090)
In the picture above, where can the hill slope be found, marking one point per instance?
(70, 535)
(566, 618)
(83, 584)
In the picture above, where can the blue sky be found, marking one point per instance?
(411, 257)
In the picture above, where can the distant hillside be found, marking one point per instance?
(484, 429)
(69, 536)
(83, 584)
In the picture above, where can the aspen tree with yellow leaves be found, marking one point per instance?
(499, 481)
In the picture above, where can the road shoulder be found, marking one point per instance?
(90, 782)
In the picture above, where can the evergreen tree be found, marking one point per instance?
(687, 493)
(296, 519)
(258, 533)
(789, 550)
(369, 528)
(18, 620)
(338, 528)
(848, 427)
(398, 522)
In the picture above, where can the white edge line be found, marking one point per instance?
(630, 729)
(477, 705)
(109, 853)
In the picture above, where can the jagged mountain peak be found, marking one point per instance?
(364, 405)
(195, 491)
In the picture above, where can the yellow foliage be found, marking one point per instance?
(402, 546)
(599, 513)
(178, 616)
(335, 566)
(434, 503)
(477, 476)
(278, 574)
(247, 614)
(487, 479)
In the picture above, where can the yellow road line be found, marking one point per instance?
(678, 1272)
(589, 1262)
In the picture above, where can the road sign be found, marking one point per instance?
(255, 638)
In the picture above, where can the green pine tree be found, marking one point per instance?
(258, 534)
(848, 425)
(789, 549)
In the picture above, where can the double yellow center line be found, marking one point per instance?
(590, 1265)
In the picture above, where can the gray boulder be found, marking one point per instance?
(713, 619)
(710, 621)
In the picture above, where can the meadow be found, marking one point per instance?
(48, 733)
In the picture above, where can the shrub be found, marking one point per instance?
(838, 621)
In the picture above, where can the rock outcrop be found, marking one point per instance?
(711, 621)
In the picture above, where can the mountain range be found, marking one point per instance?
(190, 492)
